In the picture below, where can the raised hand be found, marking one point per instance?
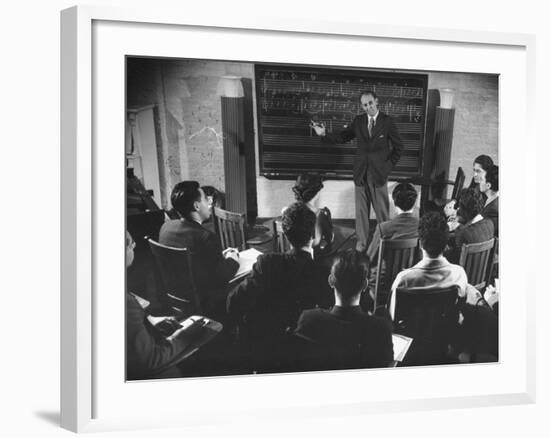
(319, 128)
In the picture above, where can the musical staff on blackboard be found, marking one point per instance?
(332, 89)
(288, 98)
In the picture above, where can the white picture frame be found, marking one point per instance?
(94, 41)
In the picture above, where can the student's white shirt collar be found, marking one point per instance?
(476, 219)
(374, 117)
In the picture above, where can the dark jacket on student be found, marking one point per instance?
(268, 303)
(210, 269)
(344, 337)
(147, 352)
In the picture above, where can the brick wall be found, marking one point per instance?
(190, 125)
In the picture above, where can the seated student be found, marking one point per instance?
(146, 350)
(474, 228)
(345, 336)
(433, 270)
(489, 187)
(307, 190)
(402, 226)
(212, 267)
(215, 198)
(267, 304)
(482, 164)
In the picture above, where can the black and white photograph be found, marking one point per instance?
(274, 219)
(292, 218)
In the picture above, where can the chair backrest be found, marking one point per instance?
(492, 265)
(474, 258)
(458, 184)
(143, 224)
(393, 257)
(175, 266)
(230, 228)
(280, 241)
(427, 315)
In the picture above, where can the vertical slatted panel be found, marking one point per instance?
(233, 157)
(443, 139)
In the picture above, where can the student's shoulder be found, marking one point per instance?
(378, 325)
(315, 316)
(171, 224)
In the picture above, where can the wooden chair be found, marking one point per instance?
(393, 257)
(230, 228)
(474, 258)
(280, 241)
(492, 266)
(175, 266)
(458, 184)
(429, 316)
(438, 186)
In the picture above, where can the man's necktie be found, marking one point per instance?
(371, 126)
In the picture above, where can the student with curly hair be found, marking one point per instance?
(434, 270)
(474, 227)
(307, 190)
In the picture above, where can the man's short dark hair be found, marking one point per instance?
(367, 92)
(492, 178)
(184, 195)
(349, 273)
(404, 196)
(433, 233)
(298, 224)
(485, 161)
(470, 204)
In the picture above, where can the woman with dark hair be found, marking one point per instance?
(474, 227)
(307, 190)
(482, 164)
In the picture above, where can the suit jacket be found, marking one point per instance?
(279, 288)
(480, 231)
(490, 211)
(377, 155)
(147, 351)
(402, 226)
(211, 270)
(345, 337)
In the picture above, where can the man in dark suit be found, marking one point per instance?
(212, 268)
(402, 226)
(379, 148)
(345, 336)
(267, 304)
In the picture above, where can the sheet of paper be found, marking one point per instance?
(247, 258)
(401, 345)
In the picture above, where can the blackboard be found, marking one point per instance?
(288, 97)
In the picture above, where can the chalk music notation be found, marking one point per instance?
(274, 87)
(413, 112)
(289, 98)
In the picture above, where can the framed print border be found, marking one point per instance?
(80, 207)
